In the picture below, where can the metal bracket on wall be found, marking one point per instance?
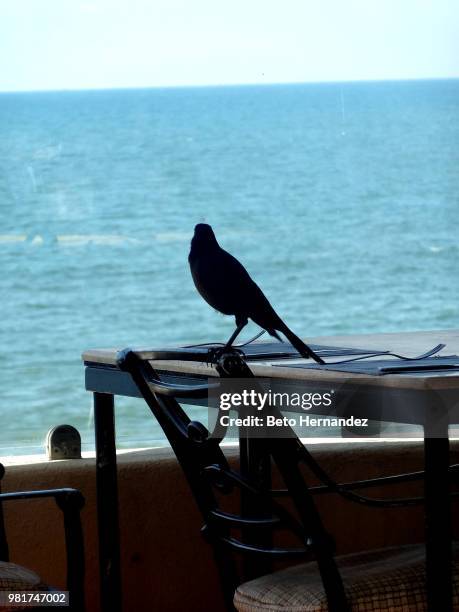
(63, 442)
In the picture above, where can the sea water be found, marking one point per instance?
(341, 199)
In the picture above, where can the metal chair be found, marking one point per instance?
(266, 512)
(17, 578)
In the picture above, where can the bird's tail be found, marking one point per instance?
(300, 346)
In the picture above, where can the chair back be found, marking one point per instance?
(218, 487)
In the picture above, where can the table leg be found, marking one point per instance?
(255, 464)
(107, 503)
(438, 522)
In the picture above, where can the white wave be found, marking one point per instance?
(173, 236)
(7, 238)
(37, 240)
(436, 249)
(100, 239)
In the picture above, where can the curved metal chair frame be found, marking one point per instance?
(211, 478)
(70, 502)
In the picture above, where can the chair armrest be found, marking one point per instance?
(346, 490)
(197, 354)
(70, 502)
(128, 359)
(65, 495)
(187, 391)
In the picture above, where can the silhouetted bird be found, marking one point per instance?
(227, 286)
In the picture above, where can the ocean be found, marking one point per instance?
(341, 199)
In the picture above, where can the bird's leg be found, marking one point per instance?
(234, 335)
(241, 322)
(216, 354)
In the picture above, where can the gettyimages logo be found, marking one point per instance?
(260, 401)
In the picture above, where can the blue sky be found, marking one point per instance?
(74, 44)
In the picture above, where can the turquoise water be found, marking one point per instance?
(341, 200)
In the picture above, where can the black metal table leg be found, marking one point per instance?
(438, 519)
(255, 464)
(107, 503)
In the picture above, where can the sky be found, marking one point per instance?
(86, 44)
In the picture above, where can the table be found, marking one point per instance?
(441, 388)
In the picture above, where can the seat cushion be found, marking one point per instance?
(17, 578)
(388, 579)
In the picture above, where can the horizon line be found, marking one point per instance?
(222, 85)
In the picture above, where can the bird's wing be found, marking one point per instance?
(248, 298)
(223, 282)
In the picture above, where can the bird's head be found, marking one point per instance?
(204, 237)
(203, 231)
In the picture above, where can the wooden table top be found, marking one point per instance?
(409, 344)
